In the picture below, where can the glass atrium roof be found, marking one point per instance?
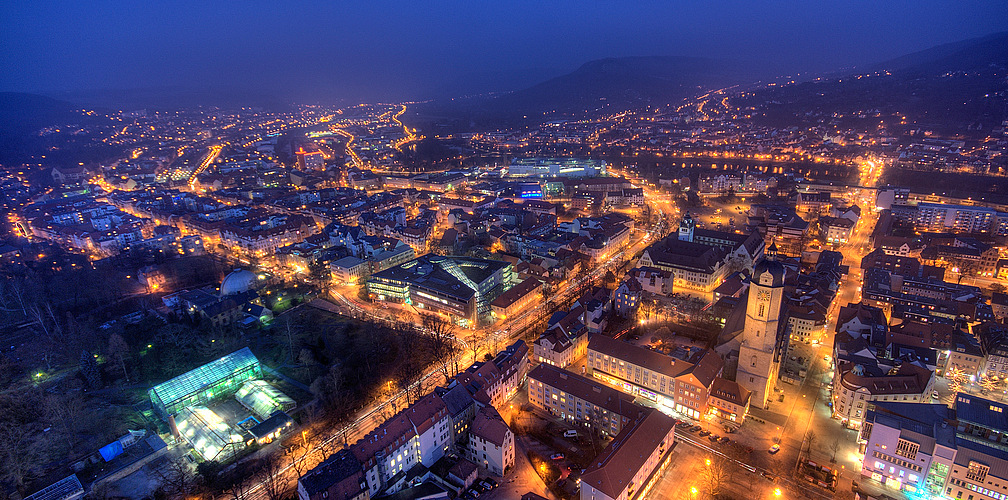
(262, 398)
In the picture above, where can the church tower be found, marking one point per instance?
(759, 356)
(686, 227)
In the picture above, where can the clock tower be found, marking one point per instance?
(759, 352)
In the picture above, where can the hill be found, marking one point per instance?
(959, 88)
(615, 84)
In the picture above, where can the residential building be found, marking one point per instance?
(491, 442)
(581, 400)
(339, 477)
(630, 466)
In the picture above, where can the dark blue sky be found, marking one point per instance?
(409, 49)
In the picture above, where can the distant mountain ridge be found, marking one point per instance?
(615, 83)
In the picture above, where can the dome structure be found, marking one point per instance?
(237, 281)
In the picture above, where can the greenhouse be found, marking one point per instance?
(212, 380)
(210, 435)
(263, 399)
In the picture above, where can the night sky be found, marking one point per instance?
(401, 50)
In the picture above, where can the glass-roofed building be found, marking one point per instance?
(210, 435)
(198, 386)
(261, 398)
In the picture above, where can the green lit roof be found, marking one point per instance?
(199, 378)
(262, 398)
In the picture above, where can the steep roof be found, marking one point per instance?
(613, 469)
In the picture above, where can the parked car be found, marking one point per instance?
(473, 492)
(774, 449)
(695, 428)
(570, 434)
(704, 433)
(557, 456)
(486, 485)
(724, 440)
(492, 481)
(714, 438)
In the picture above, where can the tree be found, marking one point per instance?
(714, 474)
(272, 476)
(834, 447)
(19, 453)
(118, 350)
(440, 334)
(64, 411)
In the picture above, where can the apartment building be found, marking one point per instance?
(581, 401)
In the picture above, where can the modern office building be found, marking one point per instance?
(556, 167)
(463, 288)
(213, 380)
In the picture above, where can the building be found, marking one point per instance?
(564, 340)
(68, 488)
(419, 434)
(627, 297)
(555, 167)
(699, 259)
(865, 373)
(491, 442)
(208, 434)
(728, 401)
(673, 384)
(933, 451)
(463, 288)
(761, 350)
(339, 477)
(349, 269)
(216, 379)
(519, 298)
(835, 230)
(581, 401)
(911, 447)
(633, 462)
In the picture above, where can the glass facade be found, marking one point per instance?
(215, 379)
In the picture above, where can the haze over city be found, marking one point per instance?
(324, 51)
(514, 250)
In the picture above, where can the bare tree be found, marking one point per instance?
(64, 411)
(714, 474)
(175, 477)
(834, 447)
(444, 348)
(297, 455)
(272, 476)
(118, 350)
(19, 454)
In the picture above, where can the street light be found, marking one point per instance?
(777, 492)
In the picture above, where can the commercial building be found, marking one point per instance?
(933, 451)
(556, 167)
(463, 288)
(518, 298)
(673, 384)
(633, 462)
(216, 379)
